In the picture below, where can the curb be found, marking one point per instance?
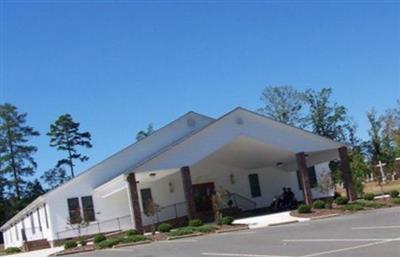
(184, 236)
(232, 230)
(132, 244)
(282, 223)
(325, 216)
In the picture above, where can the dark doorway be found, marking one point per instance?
(202, 195)
(147, 198)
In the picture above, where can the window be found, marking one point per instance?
(74, 210)
(254, 185)
(147, 198)
(312, 177)
(88, 210)
(32, 223)
(39, 221)
(45, 215)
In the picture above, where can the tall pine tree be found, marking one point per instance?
(16, 154)
(65, 136)
(55, 177)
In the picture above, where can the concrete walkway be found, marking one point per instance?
(269, 220)
(38, 253)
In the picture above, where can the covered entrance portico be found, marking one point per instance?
(246, 158)
(228, 171)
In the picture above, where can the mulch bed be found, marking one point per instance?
(157, 237)
(229, 227)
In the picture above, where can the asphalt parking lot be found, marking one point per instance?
(367, 234)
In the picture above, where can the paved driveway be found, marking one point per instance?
(367, 234)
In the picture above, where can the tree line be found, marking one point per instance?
(316, 112)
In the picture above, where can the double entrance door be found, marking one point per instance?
(202, 196)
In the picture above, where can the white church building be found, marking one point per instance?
(244, 154)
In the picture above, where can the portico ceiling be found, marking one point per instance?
(248, 153)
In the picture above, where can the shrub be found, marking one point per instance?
(164, 227)
(195, 223)
(108, 243)
(99, 238)
(341, 200)
(328, 204)
(369, 196)
(182, 231)
(353, 207)
(369, 204)
(227, 220)
(82, 241)
(70, 244)
(205, 229)
(11, 250)
(336, 195)
(396, 201)
(319, 204)
(219, 219)
(132, 239)
(304, 208)
(394, 194)
(132, 232)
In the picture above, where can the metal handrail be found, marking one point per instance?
(160, 210)
(97, 225)
(236, 195)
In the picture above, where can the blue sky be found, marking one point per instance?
(116, 67)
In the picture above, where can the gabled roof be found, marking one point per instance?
(329, 143)
(108, 160)
(162, 150)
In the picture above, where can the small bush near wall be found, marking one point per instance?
(353, 207)
(396, 201)
(70, 244)
(341, 200)
(182, 231)
(99, 238)
(369, 196)
(328, 204)
(319, 204)
(132, 232)
(304, 208)
(195, 223)
(205, 229)
(227, 220)
(11, 250)
(132, 239)
(108, 243)
(164, 227)
(82, 241)
(394, 193)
